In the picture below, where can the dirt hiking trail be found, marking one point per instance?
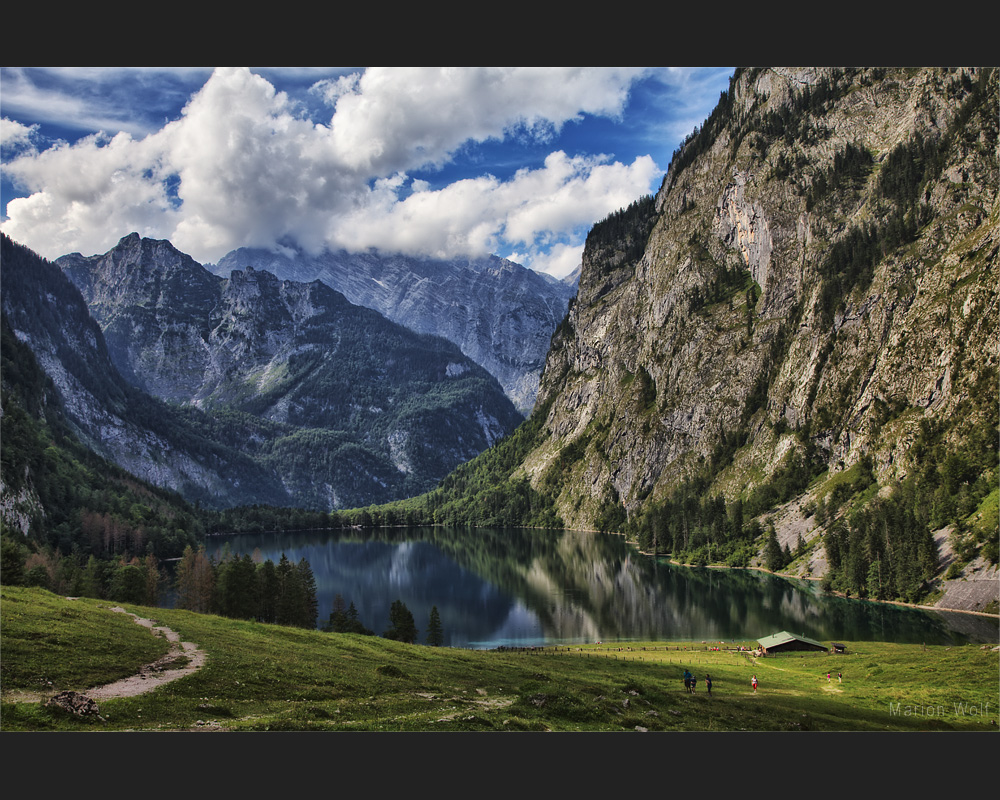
(181, 660)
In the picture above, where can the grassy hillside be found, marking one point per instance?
(266, 677)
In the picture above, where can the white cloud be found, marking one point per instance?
(93, 99)
(16, 138)
(559, 261)
(250, 169)
(690, 94)
(93, 190)
(243, 165)
(532, 210)
(394, 119)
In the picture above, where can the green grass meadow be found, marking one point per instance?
(261, 677)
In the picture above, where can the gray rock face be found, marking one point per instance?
(499, 313)
(660, 361)
(48, 314)
(343, 406)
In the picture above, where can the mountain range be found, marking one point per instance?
(308, 399)
(499, 313)
(789, 351)
(788, 356)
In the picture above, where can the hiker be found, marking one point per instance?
(708, 683)
(828, 677)
(840, 677)
(688, 679)
(753, 683)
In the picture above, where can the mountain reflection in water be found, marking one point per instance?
(519, 587)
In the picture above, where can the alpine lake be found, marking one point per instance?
(531, 588)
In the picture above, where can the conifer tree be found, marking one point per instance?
(435, 635)
(291, 593)
(237, 588)
(402, 627)
(354, 624)
(774, 558)
(338, 616)
(310, 607)
(268, 590)
(154, 578)
(195, 580)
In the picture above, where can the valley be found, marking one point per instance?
(269, 678)
(783, 360)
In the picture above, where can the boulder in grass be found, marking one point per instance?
(75, 703)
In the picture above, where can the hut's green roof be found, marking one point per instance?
(775, 639)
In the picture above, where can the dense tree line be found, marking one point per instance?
(123, 578)
(885, 550)
(625, 231)
(698, 527)
(242, 587)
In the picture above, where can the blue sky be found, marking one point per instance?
(444, 162)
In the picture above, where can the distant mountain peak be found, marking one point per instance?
(500, 313)
(337, 396)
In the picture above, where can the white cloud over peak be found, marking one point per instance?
(531, 210)
(82, 192)
(394, 119)
(245, 165)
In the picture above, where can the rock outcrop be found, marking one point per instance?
(248, 389)
(499, 313)
(794, 293)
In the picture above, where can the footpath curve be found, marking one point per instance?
(183, 659)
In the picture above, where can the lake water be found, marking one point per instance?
(515, 587)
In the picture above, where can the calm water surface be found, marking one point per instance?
(519, 587)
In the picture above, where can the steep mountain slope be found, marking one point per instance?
(122, 424)
(499, 313)
(294, 396)
(357, 409)
(57, 492)
(813, 290)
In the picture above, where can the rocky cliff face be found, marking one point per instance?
(148, 439)
(345, 407)
(499, 313)
(818, 272)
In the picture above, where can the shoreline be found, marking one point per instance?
(674, 562)
(834, 593)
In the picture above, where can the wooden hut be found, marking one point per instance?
(785, 642)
